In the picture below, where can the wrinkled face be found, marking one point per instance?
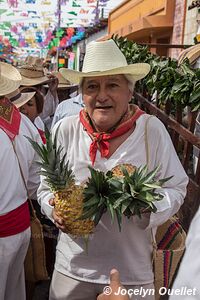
(106, 99)
(30, 109)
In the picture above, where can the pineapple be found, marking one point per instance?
(117, 170)
(136, 192)
(68, 195)
(125, 190)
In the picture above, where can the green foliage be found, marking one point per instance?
(179, 84)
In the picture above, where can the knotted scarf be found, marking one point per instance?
(9, 118)
(101, 140)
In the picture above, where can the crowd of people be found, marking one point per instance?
(99, 127)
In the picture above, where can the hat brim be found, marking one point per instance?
(10, 79)
(26, 81)
(8, 86)
(61, 85)
(137, 71)
(24, 98)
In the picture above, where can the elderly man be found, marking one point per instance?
(16, 157)
(109, 131)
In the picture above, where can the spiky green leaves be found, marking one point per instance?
(128, 195)
(96, 196)
(139, 191)
(53, 164)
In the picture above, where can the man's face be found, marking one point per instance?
(106, 99)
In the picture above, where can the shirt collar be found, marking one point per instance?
(78, 100)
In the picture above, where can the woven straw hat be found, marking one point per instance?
(32, 72)
(19, 98)
(62, 82)
(105, 58)
(10, 78)
(192, 53)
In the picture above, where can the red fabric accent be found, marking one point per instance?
(42, 135)
(15, 221)
(10, 118)
(100, 140)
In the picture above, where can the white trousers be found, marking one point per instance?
(66, 288)
(13, 250)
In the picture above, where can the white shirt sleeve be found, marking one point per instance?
(44, 194)
(174, 190)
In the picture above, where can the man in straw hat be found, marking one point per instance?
(15, 153)
(32, 73)
(108, 132)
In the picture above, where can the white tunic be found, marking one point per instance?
(130, 250)
(50, 104)
(12, 189)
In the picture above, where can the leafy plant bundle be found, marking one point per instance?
(179, 84)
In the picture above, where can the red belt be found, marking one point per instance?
(15, 221)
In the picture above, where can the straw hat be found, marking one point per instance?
(19, 98)
(10, 78)
(62, 82)
(192, 53)
(105, 58)
(32, 72)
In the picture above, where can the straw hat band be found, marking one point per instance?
(15, 97)
(31, 72)
(19, 98)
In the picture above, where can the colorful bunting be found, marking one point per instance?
(37, 21)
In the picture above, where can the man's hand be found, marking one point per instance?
(58, 221)
(53, 84)
(113, 291)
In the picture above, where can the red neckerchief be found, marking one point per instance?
(100, 140)
(9, 118)
(42, 135)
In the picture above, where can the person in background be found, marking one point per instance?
(30, 102)
(32, 73)
(33, 108)
(108, 132)
(65, 89)
(16, 157)
(67, 108)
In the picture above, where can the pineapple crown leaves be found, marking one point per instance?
(127, 195)
(97, 196)
(53, 164)
(138, 191)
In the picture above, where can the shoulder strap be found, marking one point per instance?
(146, 139)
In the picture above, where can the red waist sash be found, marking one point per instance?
(15, 221)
